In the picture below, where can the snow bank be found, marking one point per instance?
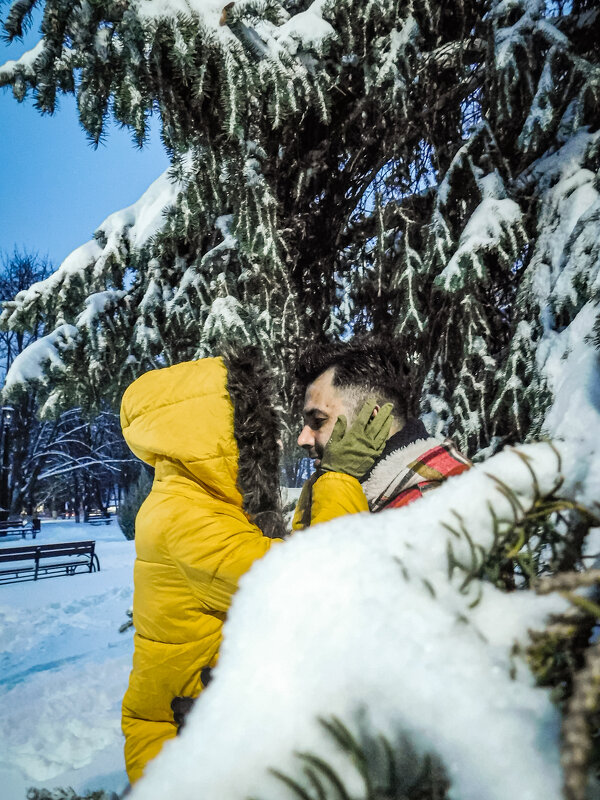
(358, 619)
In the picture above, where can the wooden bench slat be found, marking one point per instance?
(81, 554)
(14, 557)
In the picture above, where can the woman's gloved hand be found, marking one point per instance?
(181, 707)
(355, 450)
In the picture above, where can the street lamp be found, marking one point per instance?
(7, 414)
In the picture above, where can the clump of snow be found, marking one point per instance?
(514, 37)
(485, 230)
(145, 217)
(224, 317)
(96, 304)
(306, 29)
(359, 619)
(394, 45)
(223, 225)
(571, 365)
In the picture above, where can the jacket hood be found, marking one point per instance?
(211, 421)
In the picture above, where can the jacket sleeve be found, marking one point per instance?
(215, 554)
(327, 496)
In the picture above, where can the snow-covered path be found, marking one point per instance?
(64, 668)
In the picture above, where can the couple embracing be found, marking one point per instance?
(210, 431)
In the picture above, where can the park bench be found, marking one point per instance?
(31, 562)
(20, 527)
(97, 518)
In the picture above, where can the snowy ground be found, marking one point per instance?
(64, 669)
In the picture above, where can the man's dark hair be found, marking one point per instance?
(368, 365)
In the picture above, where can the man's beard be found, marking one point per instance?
(316, 453)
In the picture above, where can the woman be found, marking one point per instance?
(209, 430)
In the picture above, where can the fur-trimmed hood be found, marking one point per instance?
(211, 421)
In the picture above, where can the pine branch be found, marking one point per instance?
(388, 771)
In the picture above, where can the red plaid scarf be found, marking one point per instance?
(412, 464)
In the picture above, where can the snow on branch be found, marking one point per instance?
(34, 362)
(71, 464)
(225, 319)
(567, 251)
(129, 228)
(96, 305)
(25, 65)
(370, 620)
(85, 271)
(495, 226)
(306, 30)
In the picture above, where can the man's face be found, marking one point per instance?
(323, 403)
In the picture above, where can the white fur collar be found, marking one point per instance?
(388, 472)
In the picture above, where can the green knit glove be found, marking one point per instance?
(354, 451)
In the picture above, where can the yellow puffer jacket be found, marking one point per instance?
(194, 534)
(326, 496)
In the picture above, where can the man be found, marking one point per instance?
(369, 452)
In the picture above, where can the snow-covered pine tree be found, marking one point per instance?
(423, 169)
(436, 163)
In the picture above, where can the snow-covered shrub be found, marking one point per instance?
(131, 502)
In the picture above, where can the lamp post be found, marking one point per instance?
(6, 418)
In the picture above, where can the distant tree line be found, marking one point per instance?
(69, 463)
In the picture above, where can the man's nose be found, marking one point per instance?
(306, 438)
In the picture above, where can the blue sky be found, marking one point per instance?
(55, 189)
